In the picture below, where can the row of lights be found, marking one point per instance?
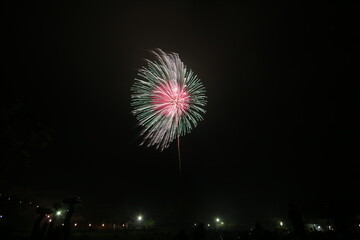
(58, 213)
(90, 225)
(139, 218)
(218, 222)
(75, 224)
(20, 202)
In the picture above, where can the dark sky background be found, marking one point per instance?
(281, 123)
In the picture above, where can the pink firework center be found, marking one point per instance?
(170, 99)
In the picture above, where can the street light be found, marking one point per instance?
(58, 213)
(139, 218)
(217, 220)
(281, 223)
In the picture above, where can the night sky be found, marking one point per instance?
(281, 126)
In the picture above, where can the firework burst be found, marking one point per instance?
(168, 99)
